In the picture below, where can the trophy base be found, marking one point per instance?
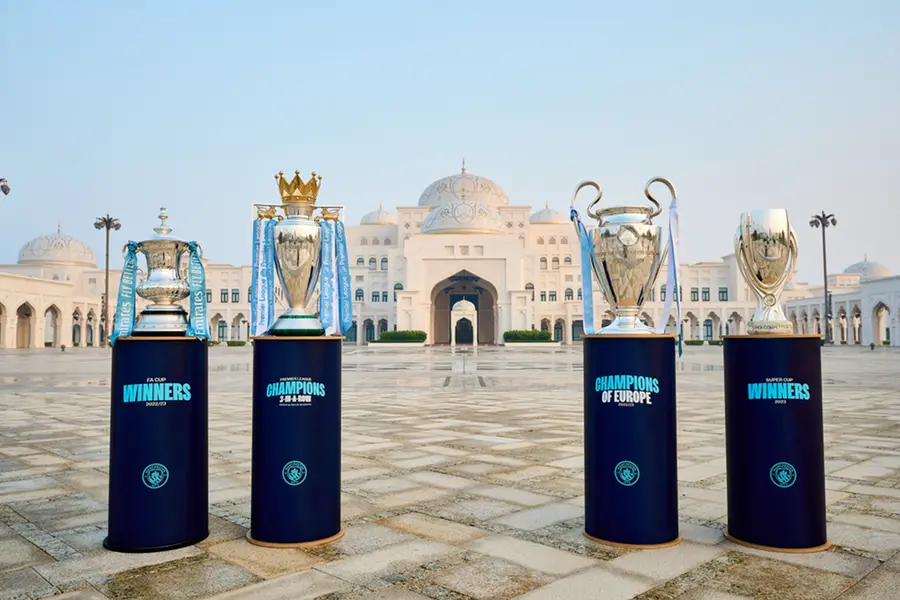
(626, 326)
(295, 324)
(770, 328)
(162, 320)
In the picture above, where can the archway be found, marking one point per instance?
(855, 324)
(608, 318)
(464, 332)
(91, 323)
(76, 327)
(881, 324)
(51, 327)
(369, 327)
(816, 323)
(647, 320)
(351, 333)
(795, 325)
(464, 285)
(735, 323)
(558, 328)
(2, 326)
(24, 326)
(692, 326)
(716, 325)
(382, 326)
(804, 323)
(236, 326)
(842, 325)
(577, 330)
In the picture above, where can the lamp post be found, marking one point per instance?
(824, 221)
(106, 223)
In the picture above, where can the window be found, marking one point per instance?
(540, 241)
(249, 293)
(567, 260)
(360, 261)
(375, 242)
(543, 296)
(387, 241)
(397, 288)
(372, 264)
(652, 294)
(364, 242)
(569, 295)
(384, 263)
(707, 329)
(555, 262)
(236, 296)
(579, 293)
(553, 296)
(680, 294)
(705, 295)
(529, 287)
(695, 295)
(223, 296)
(384, 297)
(723, 294)
(552, 241)
(360, 295)
(92, 281)
(375, 296)
(208, 296)
(662, 293)
(543, 263)
(564, 240)
(223, 330)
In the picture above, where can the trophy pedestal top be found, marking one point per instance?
(162, 320)
(296, 323)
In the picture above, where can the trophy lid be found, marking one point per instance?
(162, 230)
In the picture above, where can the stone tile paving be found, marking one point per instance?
(462, 479)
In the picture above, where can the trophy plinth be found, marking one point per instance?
(164, 286)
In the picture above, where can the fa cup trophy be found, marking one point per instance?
(626, 252)
(765, 248)
(174, 273)
(296, 245)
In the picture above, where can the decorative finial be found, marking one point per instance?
(547, 205)
(58, 227)
(865, 257)
(463, 193)
(379, 207)
(163, 229)
(464, 166)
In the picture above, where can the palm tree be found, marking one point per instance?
(106, 223)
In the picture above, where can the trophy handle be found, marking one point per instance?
(590, 207)
(650, 197)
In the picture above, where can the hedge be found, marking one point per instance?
(403, 336)
(693, 342)
(526, 335)
(714, 342)
(236, 343)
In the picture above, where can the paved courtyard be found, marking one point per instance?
(462, 479)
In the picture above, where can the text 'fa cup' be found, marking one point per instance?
(765, 248)
(625, 251)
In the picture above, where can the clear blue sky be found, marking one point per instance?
(127, 106)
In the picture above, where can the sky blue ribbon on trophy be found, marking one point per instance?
(197, 323)
(672, 282)
(262, 283)
(124, 321)
(587, 282)
(334, 297)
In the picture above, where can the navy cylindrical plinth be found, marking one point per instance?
(158, 459)
(296, 479)
(630, 449)
(774, 442)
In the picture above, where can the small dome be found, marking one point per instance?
(868, 270)
(464, 185)
(57, 248)
(464, 305)
(548, 216)
(379, 217)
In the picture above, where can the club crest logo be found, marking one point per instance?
(155, 476)
(294, 473)
(783, 474)
(627, 473)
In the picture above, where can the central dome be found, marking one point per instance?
(868, 270)
(452, 188)
(57, 248)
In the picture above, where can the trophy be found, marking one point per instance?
(765, 248)
(290, 237)
(626, 252)
(164, 286)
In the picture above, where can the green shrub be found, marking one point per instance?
(857, 343)
(526, 335)
(821, 341)
(714, 342)
(693, 342)
(236, 343)
(843, 341)
(403, 336)
(886, 343)
(211, 343)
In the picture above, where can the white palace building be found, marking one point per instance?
(462, 241)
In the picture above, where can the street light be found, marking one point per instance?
(106, 223)
(824, 221)
(4, 186)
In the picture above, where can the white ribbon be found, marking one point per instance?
(672, 281)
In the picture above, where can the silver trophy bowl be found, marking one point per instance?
(627, 252)
(298, 245)
(765, 248)
(165, 285)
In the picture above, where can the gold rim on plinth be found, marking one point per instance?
(156, 338)
(327, 540)
(821, 548)
(296, 337)
(772, 336)
(628, 336)
(674, 542)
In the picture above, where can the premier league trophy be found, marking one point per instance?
(765, 249)
(774, 439)
(296, 462)
(158, 460)
(629, 376)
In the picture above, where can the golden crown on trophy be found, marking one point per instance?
(296, 191)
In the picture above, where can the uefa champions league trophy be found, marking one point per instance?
(626, 252)
(765, 248)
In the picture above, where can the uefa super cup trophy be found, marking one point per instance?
(627, 250)
(765, 248)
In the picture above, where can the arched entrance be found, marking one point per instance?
(24, 326)
(881, 324)
(464, 285)
(51, 327)
(464, 332)
(2, 326)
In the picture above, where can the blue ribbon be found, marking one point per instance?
(326, 287)
(197, 325)
(262, 283)
(673, 284)
(343, 270)
(124, 321)
(587, 278)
